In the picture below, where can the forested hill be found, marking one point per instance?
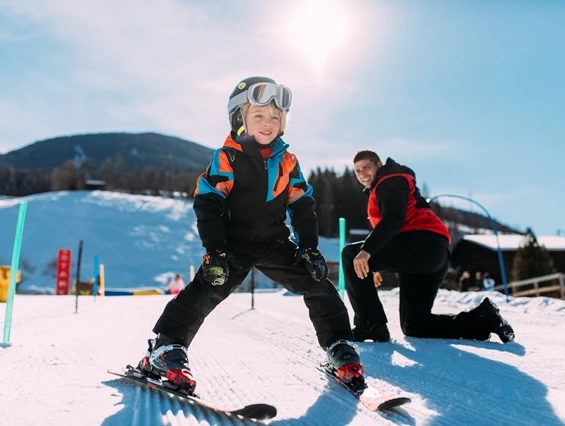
(133, 151)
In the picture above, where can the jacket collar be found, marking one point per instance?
(247, 145)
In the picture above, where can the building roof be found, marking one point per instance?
(513, 242)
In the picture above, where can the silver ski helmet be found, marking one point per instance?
(258, 91)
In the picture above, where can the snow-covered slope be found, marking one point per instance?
(141, 240)
(137, 238)
(54, 373)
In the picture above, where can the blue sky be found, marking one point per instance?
(470, 94)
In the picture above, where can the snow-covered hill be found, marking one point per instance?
(141, 240)
(54, 373)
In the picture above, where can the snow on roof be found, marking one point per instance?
(513, 242)
(359, 231)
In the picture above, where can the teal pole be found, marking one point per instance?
(14, 271)
(341, 280)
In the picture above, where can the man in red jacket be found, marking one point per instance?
(408, 238)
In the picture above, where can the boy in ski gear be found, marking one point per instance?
(241, 202)
(408, 238)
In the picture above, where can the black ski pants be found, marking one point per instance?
(421, 259)
(185, 313)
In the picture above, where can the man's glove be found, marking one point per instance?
(314, 261)
(216, 266)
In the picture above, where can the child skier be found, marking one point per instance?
(241, 202)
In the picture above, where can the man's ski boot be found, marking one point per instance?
(168, 362)
(490, 313)
(344, 364)
(375, 332)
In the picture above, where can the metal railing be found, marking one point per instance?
(536, 290)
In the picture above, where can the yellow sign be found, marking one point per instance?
(4, 281)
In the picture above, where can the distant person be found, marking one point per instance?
(408, 238)
(488, 282)
(478, 283)
(175, 285)
(241, 202)
(464, 281)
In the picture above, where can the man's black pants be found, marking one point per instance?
(421, 259)
(185, 313)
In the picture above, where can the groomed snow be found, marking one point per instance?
(54, 371)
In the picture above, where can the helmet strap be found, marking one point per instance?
(236, 122)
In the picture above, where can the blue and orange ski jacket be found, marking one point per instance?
(242, 197)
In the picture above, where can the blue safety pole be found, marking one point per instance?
(341, 279)
(500, 259)
(14, 271)
(96, 276)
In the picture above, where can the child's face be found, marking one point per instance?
(263, 122)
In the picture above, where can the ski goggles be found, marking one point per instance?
(261, 94)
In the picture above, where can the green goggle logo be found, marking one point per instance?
(241, 85)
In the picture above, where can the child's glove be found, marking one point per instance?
(314, 261)
(216, 266)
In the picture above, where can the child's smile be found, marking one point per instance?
(263, 122)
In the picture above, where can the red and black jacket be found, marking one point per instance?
(396, 206)
(244, 197)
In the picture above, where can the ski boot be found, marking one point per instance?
(168, 362)
(490, 314)
(344, 364)
(375, 332)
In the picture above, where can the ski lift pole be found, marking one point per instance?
(341, 276)
(14, 271)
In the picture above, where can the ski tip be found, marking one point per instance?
(393, 403)
(257, 411)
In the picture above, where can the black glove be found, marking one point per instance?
(314, 261)
(216, 266)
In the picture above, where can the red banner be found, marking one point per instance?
(63, 272)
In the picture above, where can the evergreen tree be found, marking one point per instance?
(325, 208)
(338, 196)
(531, 260)
(8, 185)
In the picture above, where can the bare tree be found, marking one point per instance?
(67, 177)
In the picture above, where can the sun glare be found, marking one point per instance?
(319, 30)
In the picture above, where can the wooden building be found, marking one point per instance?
(479, 253)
